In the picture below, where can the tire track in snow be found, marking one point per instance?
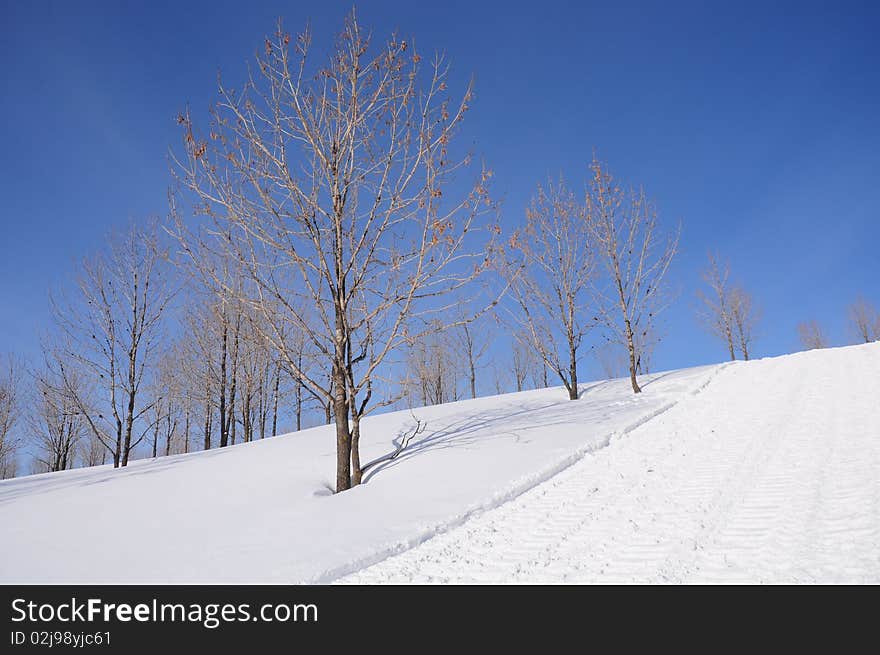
(814, 516)
(770, 475)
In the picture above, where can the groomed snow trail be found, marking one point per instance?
(770, 474)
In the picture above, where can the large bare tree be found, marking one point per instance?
(636, 255)
(328, 180)
(550, 264)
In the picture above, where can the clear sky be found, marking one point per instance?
(755, 124)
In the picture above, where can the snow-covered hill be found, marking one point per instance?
(759, 471)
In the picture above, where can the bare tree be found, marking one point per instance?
(56, 421)
(521, 363)
(745, 317)
(500, 377)
(10, 409)
(472, 340)
(549, 264)
(109, 333)
(636, 257)
(215, 322)
(433, 369)
(329, 184)
(92, 451)
(168, 398)
(197, 348)
(811, 335)
(612, 359)
(646, 343)
(717, 311)
(864, 320)
(538, 371)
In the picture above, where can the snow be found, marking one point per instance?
(759, 471)
(770, 475)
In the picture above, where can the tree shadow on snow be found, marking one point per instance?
(471, 428)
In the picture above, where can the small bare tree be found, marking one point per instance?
(10, 409)
(549, 264)
(198, 349)
(92, 451)
(646, 343)
(56, 422)
(500, 377)
(329, 184)
(811, 335)
(109, 333)
(472, 340)
(612, 359)
(167, 401)
(433, 369)
(521, 364)
(636, 256)
(716, 312)
(864, 320)
(745, 317)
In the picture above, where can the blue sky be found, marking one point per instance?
(755, 124)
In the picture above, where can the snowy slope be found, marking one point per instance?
(262, 512)
(771, 474)
(760, 471)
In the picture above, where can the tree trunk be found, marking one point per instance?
(118, 452)
(263, 395)
(630, 346)
(572, 372)
(230, 421)
(246, 416)
(168, 436)
(129, 420)
(356, 472)
(299, 404)
(186, 433)
(275, 401)
(207, 412)
(224, 428)
(208, 426)
(299, 394)
(343, 436)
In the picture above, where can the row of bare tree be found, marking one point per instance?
(730, 313)
(864, 325)
(582, 263)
